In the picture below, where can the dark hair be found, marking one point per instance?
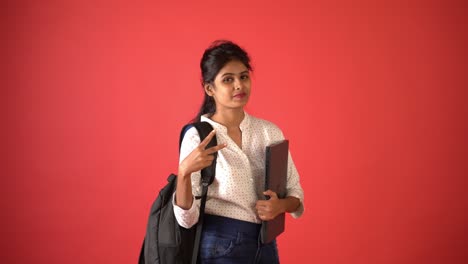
(215, 57)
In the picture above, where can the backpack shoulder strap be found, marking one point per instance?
(207, 177)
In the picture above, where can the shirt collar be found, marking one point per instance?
(245, 122)
(217, 126)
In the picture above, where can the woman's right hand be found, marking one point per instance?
(200, 157)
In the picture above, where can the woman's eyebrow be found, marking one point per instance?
(230, 73)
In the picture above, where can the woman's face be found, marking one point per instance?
(231, 87)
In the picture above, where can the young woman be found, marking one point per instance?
(235, 206)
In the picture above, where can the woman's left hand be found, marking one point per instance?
(269, 209)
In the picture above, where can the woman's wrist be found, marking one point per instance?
(182, 173)
(289, 204)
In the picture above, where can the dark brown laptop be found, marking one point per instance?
(275, 179)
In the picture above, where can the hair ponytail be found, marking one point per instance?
(208, 107)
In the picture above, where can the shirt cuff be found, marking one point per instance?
(186, 218)
(300, 210)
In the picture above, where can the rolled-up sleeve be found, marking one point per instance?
(187, 218)
(294, 187)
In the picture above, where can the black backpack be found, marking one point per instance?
(166, 242)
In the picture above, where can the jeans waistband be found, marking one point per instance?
(221, 223)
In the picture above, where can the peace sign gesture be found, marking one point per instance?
(200, 158)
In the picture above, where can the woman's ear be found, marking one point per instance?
(209, 89)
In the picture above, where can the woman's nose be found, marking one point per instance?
(237, 84)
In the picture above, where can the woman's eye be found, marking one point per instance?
(229, 79)
(244, 77)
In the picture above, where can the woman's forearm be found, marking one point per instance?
(184, 197)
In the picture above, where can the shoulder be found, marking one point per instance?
(190, 141)
(266, 127)
(190, 136)
(255, 121)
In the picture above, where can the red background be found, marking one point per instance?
(370, 94)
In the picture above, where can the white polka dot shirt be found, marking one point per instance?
(239, 182)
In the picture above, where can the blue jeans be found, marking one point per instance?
(231, 241)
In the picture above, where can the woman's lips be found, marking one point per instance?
(240, 96)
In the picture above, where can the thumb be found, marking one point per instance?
(271, 193)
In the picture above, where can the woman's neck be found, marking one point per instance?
(229, 118)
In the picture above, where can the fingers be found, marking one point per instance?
(264, 211)
(262, 207)
(207, 157)
(268, 209)
(208, 138)
(261, 204)
(265, 217)
(215, 148)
